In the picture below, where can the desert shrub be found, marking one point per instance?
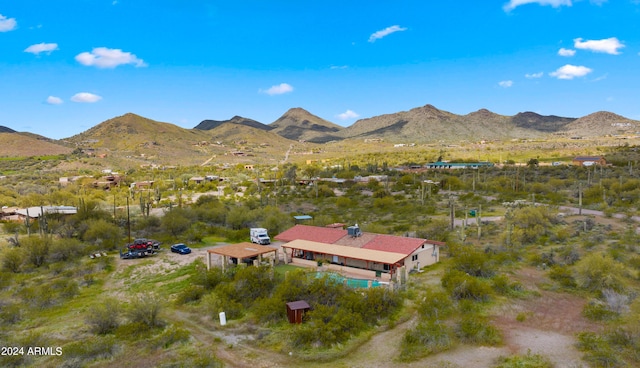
(568, 255)
(251, 283)
(191, 293)
(133, 331)
(208, 279)
(41, 296)
(12, 260)
(145, 308)
(435, 305)
(65, 249)
(10, 313)
(170, 335)
(269, 310)
(194, 358)
(86, 350)
(216, 303)
(103, 233)
(462, 286)
(373, 303)
(617, 302)
(325, 326)
(634, 262)
(596, 310)
(563, 275)
(502, 285)
(103, 317)
(597, 272)
(531, 223)
(598, 351)
(477, 330)
(36, 250)
(426, 338)
(473, 262)
(524, 361)
(66, 288)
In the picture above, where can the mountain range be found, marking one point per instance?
(135, 136)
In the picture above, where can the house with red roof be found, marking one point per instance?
(350, 250)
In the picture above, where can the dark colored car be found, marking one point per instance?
(180, 248)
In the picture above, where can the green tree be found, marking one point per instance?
(36, 250)
(597, 272)
(177, 221)
(12, 259)
(103, 233)
(145, 308)
(103, 317)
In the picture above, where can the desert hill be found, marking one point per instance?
(26, 144)
(429, 124)
(602, 123)
(239, 120)
(135, 138)
(548, 124)
(4, 129)
(299, 124)
(21, 144)
(143, 140)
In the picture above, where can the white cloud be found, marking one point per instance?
(534, 75)
(103, 57)
(385, 32)
(42, 47)
(607, 45)
(512, 4)
(279, 89)
(349, 114)
(505, 83)
(571, 71)
(7, 24)
(53, 100)
(85, 97)
(566, 52)
(334, 67)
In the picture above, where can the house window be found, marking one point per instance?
(414, 257)
(386, 267)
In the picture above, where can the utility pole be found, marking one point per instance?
(579, 198)
(128, 222)
(452, 212)
(479, 221)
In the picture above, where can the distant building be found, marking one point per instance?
(589, 161)
(33, 213)
(458, 165)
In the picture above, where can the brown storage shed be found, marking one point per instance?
(295, 310)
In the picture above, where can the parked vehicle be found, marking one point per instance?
(259, 235)
(180, 248)
(140, 248)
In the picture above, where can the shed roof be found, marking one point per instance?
(397, 244)
(312, 233)
(347, 252)
(302, 217)
(588, 158)
(298, 304)
(242, 250)
(35, 212)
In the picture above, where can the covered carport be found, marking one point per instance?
(240, 252)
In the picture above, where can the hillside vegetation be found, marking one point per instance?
(548, 277)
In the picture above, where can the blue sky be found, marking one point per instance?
(68, 65)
